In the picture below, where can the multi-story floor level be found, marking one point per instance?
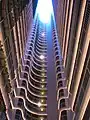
(73, 24)
(44, 72)
(15, 20)
(36, 85)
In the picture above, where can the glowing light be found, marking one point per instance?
(44, 10)
(42, 57)
(43, 34)
(42, 86)
(42, 101)
(43, 69)
(43, 74)
(42, 109)
(43, 80)
(42, 93)
(42, 119)
(39, 104)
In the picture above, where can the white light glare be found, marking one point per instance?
(42, 100)
(39, 104)
(43, 34)
(42, 86)
(42, 57)
(44, 10)
(43, 80)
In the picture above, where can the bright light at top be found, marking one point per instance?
(44, 10)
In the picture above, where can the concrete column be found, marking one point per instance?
(81, 65)
(85, 101)
(77, 41)
(4, 93)
(5, 96)
(67, 34)
(65, 26)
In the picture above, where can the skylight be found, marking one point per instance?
(44, 10)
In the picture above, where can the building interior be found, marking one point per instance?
(44, 59)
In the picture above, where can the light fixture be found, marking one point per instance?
(42, 119)
(43, 69)
(39, 104)
(42, 93)
(43, 80)
(43, 34)
(42, 57)
(43, 74)
(42, 101)
(42, 109)
(42, 86)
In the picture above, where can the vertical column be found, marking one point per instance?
(81, 65)
(5, 95)
(85, 102)
(77, 41)
(68, 30)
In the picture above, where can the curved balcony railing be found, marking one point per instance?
(38, 92)
(38, 77)
(63, 104)
(27, 88)
(38, 72)
(41, 44)
(38, 66)
(38, 81)
(30, 94)
(39, 49)
(25, 106)
(64, 88)
(37, 57)
(25, 96)
(43, 63)
(37, 61)
(34, 91)
(40, 53)
(27, 72)
(38, 69)
(42, 41)
(33, 83)
(38, 85)
(61, 82)
(36, 99)
(62, 92)
(32, 97)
